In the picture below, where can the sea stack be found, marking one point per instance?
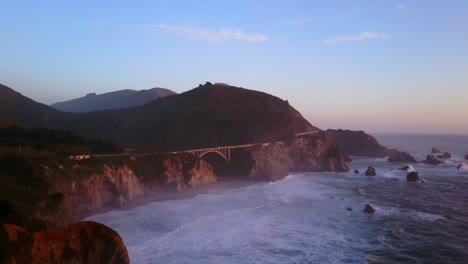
(412, 176)
(435, 151)
(370, 171)
(401, 156)
(369, 209)
(446, 155)
(431, 160)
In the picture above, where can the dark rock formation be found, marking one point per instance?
(405, 168)
(113, 100)
(370, 171)
(357, 143)
(446, 155)
(398, 156)
(356, 171)
(412, 176)
(435, 151)
(459, 166)
(369, 209)
(431, 160)
(84, 242)
(349, 209)
(466, 157)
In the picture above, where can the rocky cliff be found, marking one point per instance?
(84, 242)
(306, 153)
(357, 143)
(90, 186)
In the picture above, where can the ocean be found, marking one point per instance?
(315, 217)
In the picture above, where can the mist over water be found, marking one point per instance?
(304, 218)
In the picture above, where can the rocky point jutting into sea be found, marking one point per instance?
(56, 192)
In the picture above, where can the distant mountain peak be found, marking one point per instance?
(112, 100)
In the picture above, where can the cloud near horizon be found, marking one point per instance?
(211, 35)
(354, 38)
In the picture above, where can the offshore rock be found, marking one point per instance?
(401, 156)
(370, 171)
(84, 242)
(431, 160)
(435, 151)
(369, 209)
(412, 177)
(356, 171)
(446, 155)
(405, 168)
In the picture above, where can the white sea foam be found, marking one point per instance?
(294, 220)
(463, 167)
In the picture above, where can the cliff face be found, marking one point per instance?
(85, 242)
(357, 143)
(114, 187)
(307, 153)
(48, 193)
(131, 178)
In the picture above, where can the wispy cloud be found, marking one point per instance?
(400, 7)
(299, 21)
(353, 38)
(211, 35)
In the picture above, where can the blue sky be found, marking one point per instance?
(376, 65)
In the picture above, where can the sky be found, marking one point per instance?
(382, 66)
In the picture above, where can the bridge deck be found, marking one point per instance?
(220, 148)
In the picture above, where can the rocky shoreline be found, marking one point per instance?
(86, 187)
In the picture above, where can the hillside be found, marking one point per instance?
(43, 141)
(209, 115)
(18, 108)
(212, 115)
(113, 100)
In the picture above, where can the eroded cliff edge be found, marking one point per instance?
(84, 242)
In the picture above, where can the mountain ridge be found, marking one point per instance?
(206, 116)
(112, 100)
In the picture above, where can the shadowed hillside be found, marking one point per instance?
(210, 115)
(16, 107)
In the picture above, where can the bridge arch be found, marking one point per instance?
(200, 155)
